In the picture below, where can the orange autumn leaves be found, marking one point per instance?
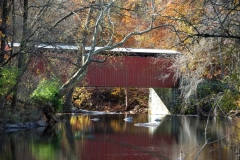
(134, 15)
(172, 16)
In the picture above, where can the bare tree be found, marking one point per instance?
(102, 21)
(106, 23)
(44, 23)
(4, 28)
(209, 45)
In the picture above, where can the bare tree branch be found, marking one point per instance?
(206, 35)
(68, 15)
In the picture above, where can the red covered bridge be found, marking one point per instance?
(146, 68)
(123, 67)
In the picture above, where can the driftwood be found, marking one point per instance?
(48, 112)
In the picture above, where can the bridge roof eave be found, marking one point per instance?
(126, 50)
(140, 50)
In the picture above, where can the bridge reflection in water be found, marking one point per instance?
(78, 137)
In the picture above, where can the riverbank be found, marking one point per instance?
(104, 100)
(119, 100)
(98, 100)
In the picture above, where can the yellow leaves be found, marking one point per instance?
(238, 102)
(116, 91)
(189, 29)
(183, 69)
(1, 34)
(80, 95)
(192, 65)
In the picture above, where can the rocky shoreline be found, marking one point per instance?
(42, 123)
(13, 127)
(21, 126)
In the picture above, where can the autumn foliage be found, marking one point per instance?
(205, 32)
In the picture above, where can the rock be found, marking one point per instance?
(21, 125)
(157, 119)
(146, 124)
(95, 119)
(40, 129)
(132, 112)
(145, 111)
(137, 107)
(42, 123)
(128, 119)
(233, 113)
(31, 124)
(237, 114)
(74, 109)
(17, 125)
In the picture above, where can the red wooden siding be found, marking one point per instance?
(38, 65)
(131, 71)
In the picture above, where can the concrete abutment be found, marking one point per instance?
(163, 100)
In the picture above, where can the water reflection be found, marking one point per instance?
(80, 137)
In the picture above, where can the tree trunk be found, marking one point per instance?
(68, 101)
(49, 112)
(21, 56)
(3, 29)
(75, 79)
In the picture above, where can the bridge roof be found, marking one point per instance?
(142, 52)
(121, 50)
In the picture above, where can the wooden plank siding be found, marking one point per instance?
(124, 67)
(131, 71)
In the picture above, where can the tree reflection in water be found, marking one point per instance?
(78, 137)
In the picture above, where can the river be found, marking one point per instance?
(110, 137)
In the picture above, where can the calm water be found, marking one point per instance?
(112, 138)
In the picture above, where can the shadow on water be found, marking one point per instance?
(109, 136)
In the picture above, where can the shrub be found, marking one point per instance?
(80, 95)
(229, 101)
(47, 92)
(8, 78)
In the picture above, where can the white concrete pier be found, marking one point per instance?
(156, 106)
